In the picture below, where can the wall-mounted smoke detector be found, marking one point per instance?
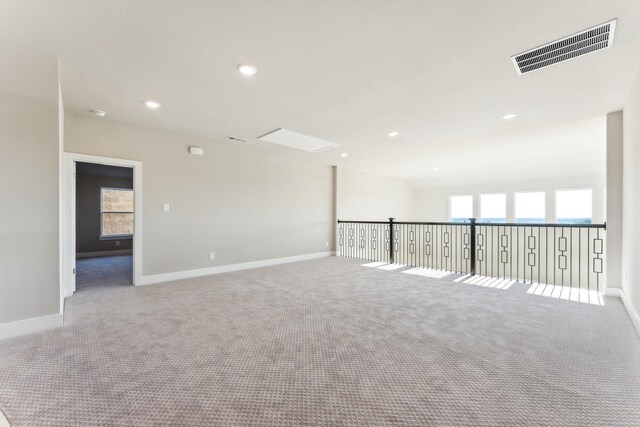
(582, 43)
(292, 139)
(236, 139)
(196, 151)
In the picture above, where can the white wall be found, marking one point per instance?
(368, 197)
(29, 251)
(614, 198)
(631, 198)
(242, 204)
(29, 166)
(432, 204)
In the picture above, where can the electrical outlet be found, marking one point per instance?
(212, 256)
(326, 244)
(117, 242)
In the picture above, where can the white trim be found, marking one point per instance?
(97, 254)
(61, 210)
(3, 420)
(67, 236)
(67, 200)
(28, 326)
(633, 314)
(186, 274)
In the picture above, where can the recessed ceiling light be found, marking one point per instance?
(436, 169)
(344, 154)
(509, 116)
(98, 113)
(247, 70)
(394, 134)
(152, 105)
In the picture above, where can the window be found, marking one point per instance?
(493, 207)
(116, 212)
(529, 207)
(460, 208)
(573, 206)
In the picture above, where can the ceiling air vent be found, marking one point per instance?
(236, 139)
(582, 43)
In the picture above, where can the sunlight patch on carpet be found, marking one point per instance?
(428, 272)
(375, 264)
(486, 281)
(567, 293)
(392, 266)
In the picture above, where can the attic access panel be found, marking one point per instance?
(296, 140)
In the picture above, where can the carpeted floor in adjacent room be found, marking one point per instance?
(324, 342)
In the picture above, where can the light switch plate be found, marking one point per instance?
(166, 207)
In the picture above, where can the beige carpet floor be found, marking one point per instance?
(324, 342)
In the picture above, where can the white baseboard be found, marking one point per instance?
(187, 274)
(633, 314)
(28, 326)
(80, 255)
(3, 420)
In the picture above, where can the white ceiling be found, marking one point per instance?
(348, 72)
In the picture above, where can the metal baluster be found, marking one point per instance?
(555, 272)
(472, 246)
(492, 249)
(518, 254)
(538, 248)
(588, 259)
(571, 257)
(580, 259)
(390, 240)
(598, 256)
(546, 255)
(562, 275)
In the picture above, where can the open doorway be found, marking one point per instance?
(104, 226)
(101, 223)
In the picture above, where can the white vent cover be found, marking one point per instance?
(236, 139)
(293, 139)
(582, 43)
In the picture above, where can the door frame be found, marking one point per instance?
(68, 202)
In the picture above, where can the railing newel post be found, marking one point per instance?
(472, 244)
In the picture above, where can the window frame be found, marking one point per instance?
(544, 218)
(555, 202)
(102, 212)
(451, 196)
(506, 213)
